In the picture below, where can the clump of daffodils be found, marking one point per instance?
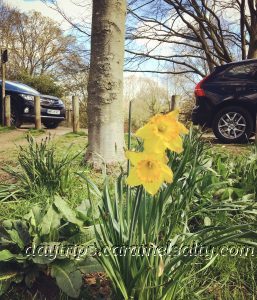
(149, 168)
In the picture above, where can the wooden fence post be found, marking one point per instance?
(174, 102)
(69, 116)
(7, 111)
(3, 71)
(75, 108)
(37, 110)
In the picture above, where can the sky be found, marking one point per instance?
(69, 7)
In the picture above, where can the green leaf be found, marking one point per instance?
(68, 278)
(34, 216)
(14, 235)
(67, 212)
(50, 221)
(84, 210)
(6, 255)
(4, 285)
(90, 265)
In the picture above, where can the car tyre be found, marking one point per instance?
(51, 125)
(15, 119)
(233, 124)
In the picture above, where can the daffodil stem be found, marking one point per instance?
(128, 192)
(135, 211)
(129, 132)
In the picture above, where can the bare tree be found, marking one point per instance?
(183, 36)
(38, 43)
(189, 36)
(7, 18)
(105, 87)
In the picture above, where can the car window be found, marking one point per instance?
(244, 71)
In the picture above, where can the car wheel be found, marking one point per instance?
(15, 119)
(51, 125)
(233, 124)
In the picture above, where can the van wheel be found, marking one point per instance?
(233, 124)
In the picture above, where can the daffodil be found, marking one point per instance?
(149, 170)
(162, 132)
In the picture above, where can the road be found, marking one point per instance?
(16, 137)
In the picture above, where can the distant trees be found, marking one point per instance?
(38, 43)
(149, 98)
(40, 53)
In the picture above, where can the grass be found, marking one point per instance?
(77, 134)
(35, 132)
(6, 129)
(228, 278)
(75, 144)
(232, 149)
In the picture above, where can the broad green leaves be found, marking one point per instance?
(67, 277)
(50, 221)
(53, 226)
(65, 210)
(6, 255)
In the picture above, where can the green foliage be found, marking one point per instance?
(240, 171)
(148, 98)
(55, 226)
(41, 170)
(77, 134)
(44, 83)
(213, 192)
(5, 129)
(182, 213)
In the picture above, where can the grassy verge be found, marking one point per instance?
(229, 277)
(75, 145)
(6, 129)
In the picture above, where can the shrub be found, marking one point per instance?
(45, 84)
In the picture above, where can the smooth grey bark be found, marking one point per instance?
(105, 87)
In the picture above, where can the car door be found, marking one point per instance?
(251, 95)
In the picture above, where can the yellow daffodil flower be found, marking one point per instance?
(149, 170)
(161, 132)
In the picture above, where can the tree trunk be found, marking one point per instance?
(252, 51)
(242, 29)
(105, 88)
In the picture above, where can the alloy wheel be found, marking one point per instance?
(232, 125)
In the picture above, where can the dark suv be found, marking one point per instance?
(226, 101)
(22, 105)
